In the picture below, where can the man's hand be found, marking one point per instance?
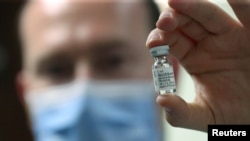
(214, 48)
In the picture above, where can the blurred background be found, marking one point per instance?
(13, 120)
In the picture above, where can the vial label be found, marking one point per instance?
(164, 79)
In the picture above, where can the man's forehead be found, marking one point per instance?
(54, 6)
(43, 11)
(103, 14)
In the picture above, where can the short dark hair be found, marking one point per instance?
(154, 12)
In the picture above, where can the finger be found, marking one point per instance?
(166, 20)
(210, 16)
(179, 44)
(242, 10)
(182, 114)
(170, 20)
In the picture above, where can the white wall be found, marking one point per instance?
(186, 91)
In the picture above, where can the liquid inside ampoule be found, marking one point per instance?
(163, 75)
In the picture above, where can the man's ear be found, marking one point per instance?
(20, 86)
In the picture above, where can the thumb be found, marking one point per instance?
(182, 114)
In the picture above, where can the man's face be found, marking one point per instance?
(85, 40)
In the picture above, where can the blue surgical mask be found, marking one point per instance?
(95, 111)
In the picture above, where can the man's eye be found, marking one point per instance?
(114, 62)
(111, 63)
(105, 65)
(58, 71)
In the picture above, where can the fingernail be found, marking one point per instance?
(153, 36)
(166, 15)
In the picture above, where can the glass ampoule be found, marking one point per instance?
(163, 72)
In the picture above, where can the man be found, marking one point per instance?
(86, 74)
